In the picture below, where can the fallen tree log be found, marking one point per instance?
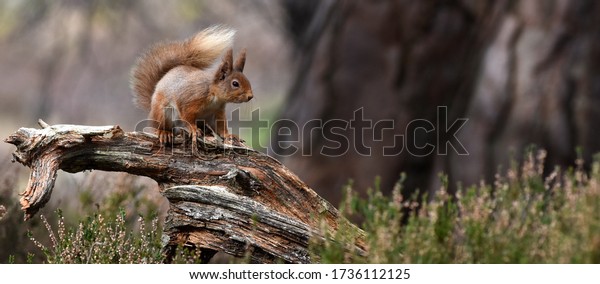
(226, 198)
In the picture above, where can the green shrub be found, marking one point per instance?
(102, 240)
(115, 230)
(523, 217)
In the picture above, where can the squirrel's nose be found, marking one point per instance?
(250, 95)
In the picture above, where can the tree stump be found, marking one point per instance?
(226, 198)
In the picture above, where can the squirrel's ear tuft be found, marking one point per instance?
(229, 58)
(226, 66)
(240, 62)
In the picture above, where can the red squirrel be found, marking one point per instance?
(176, 83)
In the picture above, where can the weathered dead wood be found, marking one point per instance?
(230, 198)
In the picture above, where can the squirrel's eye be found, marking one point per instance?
(235, 83)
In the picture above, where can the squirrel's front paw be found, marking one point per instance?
(165, 137)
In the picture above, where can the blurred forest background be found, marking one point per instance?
(523, 72)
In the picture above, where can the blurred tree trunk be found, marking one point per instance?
(521, 72)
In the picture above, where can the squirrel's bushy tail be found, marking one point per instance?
(199, 51)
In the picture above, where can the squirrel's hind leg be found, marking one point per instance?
(194, 132)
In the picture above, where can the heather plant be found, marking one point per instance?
(121, 227)
(98, 239)
(527, 215)
(523, 217)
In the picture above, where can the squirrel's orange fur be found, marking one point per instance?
(174, 81)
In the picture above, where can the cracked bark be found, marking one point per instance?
(229, 198)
